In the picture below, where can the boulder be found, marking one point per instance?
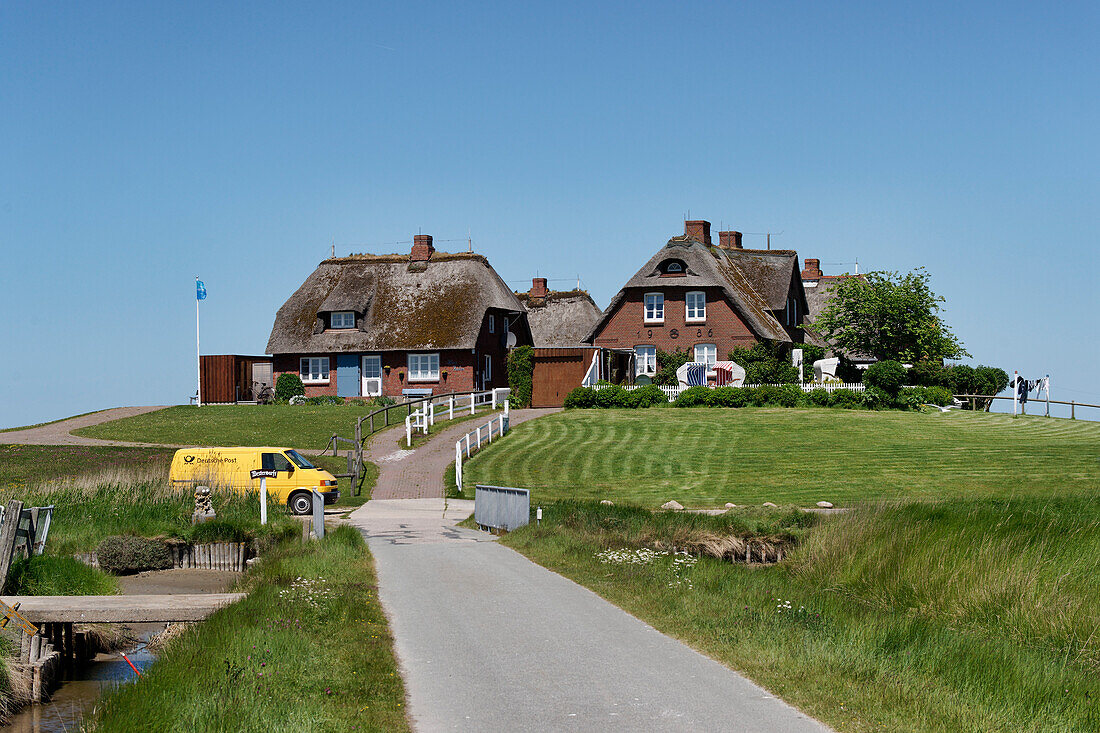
(730, 505)
(608, 503)
(825, 504)
(770, 505)
(672, 505)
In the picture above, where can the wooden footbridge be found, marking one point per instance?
(120, 609)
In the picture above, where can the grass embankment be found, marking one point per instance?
(939, 616)
(35, 465)
(708, 457)
(307, 649)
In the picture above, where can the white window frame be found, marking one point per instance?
(700, 310)
(492, 324)
(658, 309)
(344, 315)
(645, 356)
(313, 369)
(709, 363)
(488, 374)
(674, 267)
(420, 373)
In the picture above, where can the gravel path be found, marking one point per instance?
(418, 473)
(58, 433)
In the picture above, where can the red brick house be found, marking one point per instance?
(706, 299)
(395, 325)
(560, 321)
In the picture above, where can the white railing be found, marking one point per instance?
(424, 417)
(673, 392)
(472, 440)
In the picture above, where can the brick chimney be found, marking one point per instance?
(538, 287)
(812, 271)
(698, 229)
(729, 240)
(422, 248)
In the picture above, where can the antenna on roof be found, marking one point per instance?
(334, 246)
(857, 265)
(469, 240)
(770, 238)
(578, 281)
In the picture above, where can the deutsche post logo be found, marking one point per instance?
(188, 459)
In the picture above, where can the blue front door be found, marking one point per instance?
(347, 375)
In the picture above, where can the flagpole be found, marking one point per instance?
(198, 359)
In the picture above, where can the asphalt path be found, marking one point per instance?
(488, 640)
(58, 433)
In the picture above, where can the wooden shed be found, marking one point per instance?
(228, 378)
(557, 373)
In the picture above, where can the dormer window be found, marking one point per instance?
(673, 268)
(343, 319)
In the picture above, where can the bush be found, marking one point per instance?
(887, 376)
(612, 396)
(693, 397)
(765, 362)
(127, 554)
(383, 401)
(927, 374)
(521, 367)
(645, 396)
(730, 397)
(324, 400)
(990, 380)
(818, 397)
(288, 385)
(667, 364)
(846, 399)
(580, 398)
(877, 398)
(911, 398)
(961, 379)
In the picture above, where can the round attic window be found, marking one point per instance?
(673, 267)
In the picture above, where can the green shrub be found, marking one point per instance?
(288, 385)
(818, 397)
(911, 398)
(127, 554)
(580, 398)
(521, 367)
(693, 397)
(767, 395)
(611, 396)
(667, 364)
(791, 395)
(383, 401)
(766, 362)
(846, 398)
(645, 396)
(730, 397)
(927, 374)
(877, 398)
(323, 400)
(960, 379)
(989, 380)
(886, 375)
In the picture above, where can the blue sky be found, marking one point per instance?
(144, 144)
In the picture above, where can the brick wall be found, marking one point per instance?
(723, 327)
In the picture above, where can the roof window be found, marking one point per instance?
(673, 268)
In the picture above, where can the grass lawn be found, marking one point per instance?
(23, 465)
(931, 616)
(707, 457)
(308, 649)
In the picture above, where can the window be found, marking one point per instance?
(645, 359)
(707, 353)
(654, 308)
(276, 461)
(696, 306)
(343, 319)
(299, 460)
(313, 369)
(674, 267)
(792, 311)
(492, 324)
(488, 367)
(423, 367)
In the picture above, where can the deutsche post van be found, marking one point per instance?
(295, 476)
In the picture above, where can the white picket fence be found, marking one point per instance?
(673, 392)
(424, 417)
(472, 440)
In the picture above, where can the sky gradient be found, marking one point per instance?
(144, 144)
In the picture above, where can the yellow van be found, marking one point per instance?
(231, 468)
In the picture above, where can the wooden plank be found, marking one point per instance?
(120, 609)
(12, 512)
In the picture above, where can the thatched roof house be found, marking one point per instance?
(425, 320)
(559, 319)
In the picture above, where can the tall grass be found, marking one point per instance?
(307, 649)
(945, 616)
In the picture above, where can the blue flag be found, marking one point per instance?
(200, 290)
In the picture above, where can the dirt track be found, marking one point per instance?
(58, 433)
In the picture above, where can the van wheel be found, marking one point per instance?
(301, 503)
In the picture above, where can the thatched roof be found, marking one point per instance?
(756, 282)
(562, 319)
(399, 304)
(817, 298)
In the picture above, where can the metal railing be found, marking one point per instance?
(473, 440)
(501, 507)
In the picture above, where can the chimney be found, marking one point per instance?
(698, 229)
(729, 240)
(538, 287)
(812, 271)
(422, 248)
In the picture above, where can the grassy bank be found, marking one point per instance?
(308, 649)
(50, 575)
(28, 465)
(937, 616)
(708, 457)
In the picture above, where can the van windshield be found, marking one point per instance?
(299, 460)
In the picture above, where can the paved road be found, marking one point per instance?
(487, 640)
(58, 433)
(418, 474)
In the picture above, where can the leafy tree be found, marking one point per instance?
(889, 316)
(667, 364)
(766, 362)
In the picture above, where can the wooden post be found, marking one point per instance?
(1047, 383)
(1072, 405)
(263, 501)
(472, 400)
(67, 643)
(8, 528)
